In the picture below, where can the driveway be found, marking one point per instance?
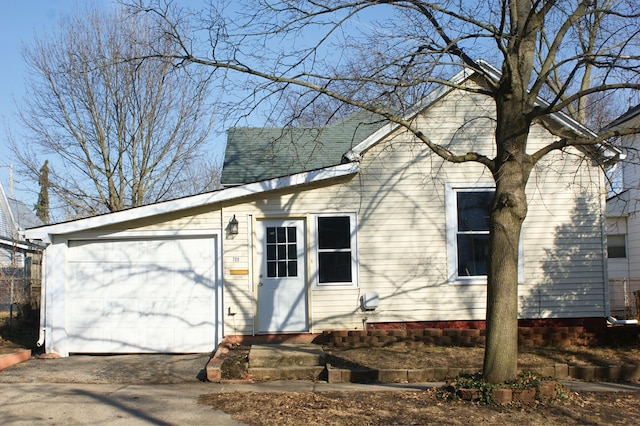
(118, 389)
(110, 369)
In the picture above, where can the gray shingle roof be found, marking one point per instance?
(15, 216)
(7, 228)
(255, 154)
(23, 215)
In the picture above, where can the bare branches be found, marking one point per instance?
(118, 130)
(381, 55)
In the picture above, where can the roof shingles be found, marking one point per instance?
(255, 154)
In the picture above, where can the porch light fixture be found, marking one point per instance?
(233, 226)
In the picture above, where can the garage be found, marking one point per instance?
(141, 295)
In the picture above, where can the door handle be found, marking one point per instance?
(260, 284)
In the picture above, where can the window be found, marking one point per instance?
(468, 219)
(472, 232)
(282, 252)
(335, 250)
(616, 247)
(617, 237)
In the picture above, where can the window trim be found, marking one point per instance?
(451, 220)
(314, 251)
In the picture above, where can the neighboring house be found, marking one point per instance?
(19, 259)
(313, 221)
(623, 223)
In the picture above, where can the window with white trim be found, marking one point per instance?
(468, 212)
(472, 232)
(468, 218)
(335, 250)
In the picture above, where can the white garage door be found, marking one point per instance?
(141, 295)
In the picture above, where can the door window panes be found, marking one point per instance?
(282, 252)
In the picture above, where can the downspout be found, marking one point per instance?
(615, 321)
(603, 239)
(42, 332)
(250, 245)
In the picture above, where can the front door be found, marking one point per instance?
(282, 290)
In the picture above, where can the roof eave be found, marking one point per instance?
(44, 233)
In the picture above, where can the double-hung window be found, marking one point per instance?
(468, 219)
(335, 250)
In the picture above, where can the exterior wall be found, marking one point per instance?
(54, 305)
(562, 243)
(328, 308)
(399, 199)
(624, 273)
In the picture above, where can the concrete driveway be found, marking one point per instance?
(110, 369)
(118, 389)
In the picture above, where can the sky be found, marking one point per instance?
(19, 20)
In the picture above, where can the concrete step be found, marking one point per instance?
(287, 373)
(286, 356)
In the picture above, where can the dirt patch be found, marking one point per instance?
(413, 408)
(7, 347)
(419, 356)
(235, 362)
(412, 356)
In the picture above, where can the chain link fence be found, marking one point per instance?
(624, 295)
(20, 288)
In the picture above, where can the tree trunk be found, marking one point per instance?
(511, 172)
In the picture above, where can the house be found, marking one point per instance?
(623, 223)
(19, 259)
(343, 227)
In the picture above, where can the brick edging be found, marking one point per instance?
(610, 373)
(7, 360)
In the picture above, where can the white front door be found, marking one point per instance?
(282, 290)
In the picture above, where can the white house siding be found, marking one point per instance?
(329, 309)
(399, 197)
(630, 206)
(625, 273)
(563, 240)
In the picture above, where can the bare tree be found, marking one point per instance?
(365, 53)
(118, 132)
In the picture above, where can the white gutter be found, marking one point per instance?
(44, 233)
(16, 244)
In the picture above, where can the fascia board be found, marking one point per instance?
(492, 72)
(44, 233)
(624, 120)
(10, 243)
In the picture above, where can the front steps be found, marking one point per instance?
(286, 362)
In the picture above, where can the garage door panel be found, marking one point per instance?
(142, 296)
(90, 310)
(192, 311)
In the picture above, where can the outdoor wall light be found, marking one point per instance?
(233, 226)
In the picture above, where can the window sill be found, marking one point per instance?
(469, 281)
(324, 287)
